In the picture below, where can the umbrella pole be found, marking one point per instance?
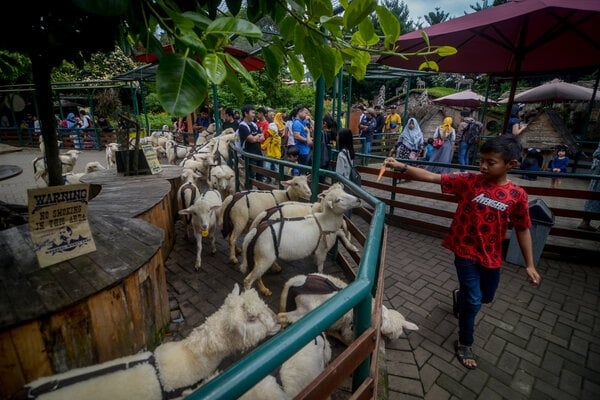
(591, 105)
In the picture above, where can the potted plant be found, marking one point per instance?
(130, 161)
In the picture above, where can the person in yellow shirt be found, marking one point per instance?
(393, 121)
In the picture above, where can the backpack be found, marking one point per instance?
(472, 134)
(237, 143)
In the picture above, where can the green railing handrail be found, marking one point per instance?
(243, 375)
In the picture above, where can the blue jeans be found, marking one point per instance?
(463, 153)
(477, 286)
(367, 147)
(258, 163)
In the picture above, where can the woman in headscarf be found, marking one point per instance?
(410, 141)
(71, 121)
(444, 153)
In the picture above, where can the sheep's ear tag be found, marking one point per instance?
(205, 233)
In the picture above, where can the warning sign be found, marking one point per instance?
(58, 223)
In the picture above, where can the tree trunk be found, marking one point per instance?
(41, 69)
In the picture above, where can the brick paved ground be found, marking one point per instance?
(531, 343)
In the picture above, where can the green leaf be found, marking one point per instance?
(200, 20)
(331, 60)
(273, 58)
(296, 67)
(359, 63)
(237, 66)
(215, 68)
(320, 7)
(365, 36)
(233, 83)
(357, 11)
(333, 24)
(425, 38)
(445, 51)
(389, 25)
(429, 66)
(313, 62)
(192, 41)
(181, 84)
(287, 28)
(234, 26)
(299, 39)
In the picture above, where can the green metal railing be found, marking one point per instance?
(357, 296)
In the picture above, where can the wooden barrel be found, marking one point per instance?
(92, 308)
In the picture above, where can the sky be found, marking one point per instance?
(456, 8)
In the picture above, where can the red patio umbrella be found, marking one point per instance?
(466, 98)
(555, 91)
(520, 37)
(251, 63)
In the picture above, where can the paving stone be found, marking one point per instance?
(522, 382)
(508, 362)
(455, 388)
(495, 345)
(436, 393)
(504, 390)
(428, 376)
(411, 387)
(475, 380)
(570, 382)
(488, 394)
(553, 392)
(548, 377)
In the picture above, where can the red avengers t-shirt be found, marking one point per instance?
(482, 216)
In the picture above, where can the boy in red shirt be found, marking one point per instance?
(486, 203)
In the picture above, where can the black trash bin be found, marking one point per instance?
(542, 220)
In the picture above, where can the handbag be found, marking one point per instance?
(354, 174)
(438, 142)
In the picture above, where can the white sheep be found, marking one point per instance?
(293, 209)
(175, 151)
(240, 324)
(111, 155)
(240, 209)
(204, 214)
(222, 178)
(199, 162)
(294, 374)
(296, 238)
(303, 293)
(67, 160)
(186, 196)
(43, 146)
(296, 209)
(74, 178)
(220, 145)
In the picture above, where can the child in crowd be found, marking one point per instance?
(428, 149)
(292, 155)
(559, 164)
(272, 146)
(487, 202)
(533, 162)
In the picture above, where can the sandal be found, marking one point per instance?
(464, 354)
(455, 303)
(586, 227)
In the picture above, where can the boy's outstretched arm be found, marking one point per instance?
(412, 172)
(525, 243)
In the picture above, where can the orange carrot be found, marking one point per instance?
(381, 171)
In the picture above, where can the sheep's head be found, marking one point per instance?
(393, 324)
(338, 200)
(298, 188)
(250, 319)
